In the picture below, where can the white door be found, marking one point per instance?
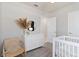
(73, 24)
(51, 28)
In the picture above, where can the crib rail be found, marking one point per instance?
(65, 48)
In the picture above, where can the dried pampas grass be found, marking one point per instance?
(23, 23)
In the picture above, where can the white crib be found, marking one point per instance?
(66, 46)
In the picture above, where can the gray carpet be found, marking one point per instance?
(44, 51)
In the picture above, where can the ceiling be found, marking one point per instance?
(47, 7)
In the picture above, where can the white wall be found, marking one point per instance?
(62, 18)
(11, 12)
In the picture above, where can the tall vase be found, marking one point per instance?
(26, 33)
(24, 38)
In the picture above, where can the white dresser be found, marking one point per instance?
(33, 41)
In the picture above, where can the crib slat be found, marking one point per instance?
(62, 50)
(53, 48)
(68, 51)
(58, 49)
(73, 52)
(65, 50)
(77, 51)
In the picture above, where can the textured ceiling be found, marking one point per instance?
(48, 7)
